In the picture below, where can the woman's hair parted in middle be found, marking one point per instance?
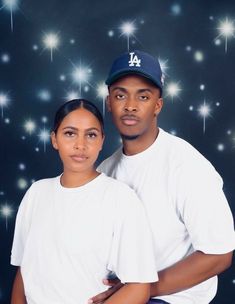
(73, 105)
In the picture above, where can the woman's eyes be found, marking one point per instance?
(69, 133)
(91, 135)
(73, 134)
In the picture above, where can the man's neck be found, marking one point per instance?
(138, 145)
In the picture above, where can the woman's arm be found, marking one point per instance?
(131, 293)
(18, 295)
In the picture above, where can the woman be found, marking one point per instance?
(73, 230)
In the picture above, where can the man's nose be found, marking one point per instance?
(131, 105)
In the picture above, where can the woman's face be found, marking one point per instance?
(78, 140)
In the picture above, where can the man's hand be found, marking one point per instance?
(114, 284)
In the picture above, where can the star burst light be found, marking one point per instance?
(102, 92)
(6, 212)
(164, 66)
(128, 29)
(204, 111)
(72, 95)
(173, 90)
(81, 75)
(29, 126)
(10, 5)
(44, 137)
(226, 30)
(4, 101)
(51, 42)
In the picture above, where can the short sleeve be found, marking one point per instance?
(132, 253)
(205, 210)
(21, 229)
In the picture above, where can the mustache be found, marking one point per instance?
(130, 116)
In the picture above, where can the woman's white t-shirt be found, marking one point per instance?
(68, 239)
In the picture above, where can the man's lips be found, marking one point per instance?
(79, 157)
(129, 120)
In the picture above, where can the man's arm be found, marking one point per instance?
(189, 272)
(131, 293)
(18, 295)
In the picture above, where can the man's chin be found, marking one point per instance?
(129, 137)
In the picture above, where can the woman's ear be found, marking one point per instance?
(54, 141)
(101, 147)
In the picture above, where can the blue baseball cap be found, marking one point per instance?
(136, 62)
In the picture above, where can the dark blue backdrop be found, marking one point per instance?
(51, 51)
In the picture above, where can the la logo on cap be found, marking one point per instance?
(134, 60)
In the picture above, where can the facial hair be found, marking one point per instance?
(129, 137)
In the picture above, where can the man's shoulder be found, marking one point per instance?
(109, 163)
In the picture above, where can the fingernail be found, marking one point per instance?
(90, 301)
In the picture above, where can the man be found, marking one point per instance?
(190, 219)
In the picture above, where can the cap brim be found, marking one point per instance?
(120, 74)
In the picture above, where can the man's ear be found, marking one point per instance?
(54, 141)
(158, 107)
(108, 103)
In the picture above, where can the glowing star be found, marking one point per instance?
(226, 30)
(44, 119)
(30, 126)
(22, 166)
(176, 9)
(5, 58)
(22, 183)
(72, 95)
(163, 65)
(51, 42)
(191, 108)
(81, 75)
(10, 5)
(220, 147)
(173, 90)
(4, 101)
(6, 212)
(198, 56)
(217, 42)
(173, 132)
(202, 87)
(62, 77)
(102, 92)
(128, 29)
(110, 33)
(44, 95)
(204, 111)
(44, 137)
(35, 47)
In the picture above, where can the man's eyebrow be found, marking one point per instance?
(144, 90)
(119, 89)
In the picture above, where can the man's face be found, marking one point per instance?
(134, 103)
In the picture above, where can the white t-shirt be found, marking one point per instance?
(68, 239)
(185, 204)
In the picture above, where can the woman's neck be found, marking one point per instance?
(76, 179)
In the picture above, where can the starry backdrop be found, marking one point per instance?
(52, 51)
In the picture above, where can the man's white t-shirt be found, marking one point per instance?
(185, 205)
(68, 239)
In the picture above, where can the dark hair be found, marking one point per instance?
(73, 105)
